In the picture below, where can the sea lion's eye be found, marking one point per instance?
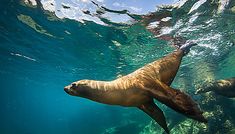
(73, 84)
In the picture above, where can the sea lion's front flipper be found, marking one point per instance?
(156, 113)
(177, 100)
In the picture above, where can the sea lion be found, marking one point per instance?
(225, 87)
(140, 88)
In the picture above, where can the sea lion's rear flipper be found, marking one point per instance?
(156, 113)
(177, 100)
(186, 47)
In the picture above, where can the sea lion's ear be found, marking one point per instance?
(156, 113)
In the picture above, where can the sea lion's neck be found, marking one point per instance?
(100, 91)
(106, 86)
(96, 85)
(117, 92)
(95, 89)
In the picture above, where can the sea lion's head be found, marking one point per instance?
(79, 88)
(205, 88)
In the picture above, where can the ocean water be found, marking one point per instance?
(41, 53)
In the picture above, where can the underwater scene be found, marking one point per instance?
(47, 46)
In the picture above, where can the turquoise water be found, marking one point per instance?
(40, 54)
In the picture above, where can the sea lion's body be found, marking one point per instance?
(130, 90)
(139, 88)
(114, 93)
(225, 87)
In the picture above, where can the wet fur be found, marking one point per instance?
(140, 87)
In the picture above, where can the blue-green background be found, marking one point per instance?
(34, 68)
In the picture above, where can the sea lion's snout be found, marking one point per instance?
(69, 89)
(77, 88)
(66, 89)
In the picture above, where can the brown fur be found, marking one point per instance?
(140, 87)
(130, 90)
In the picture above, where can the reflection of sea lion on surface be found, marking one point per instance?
(224, 87)
(139, 88)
